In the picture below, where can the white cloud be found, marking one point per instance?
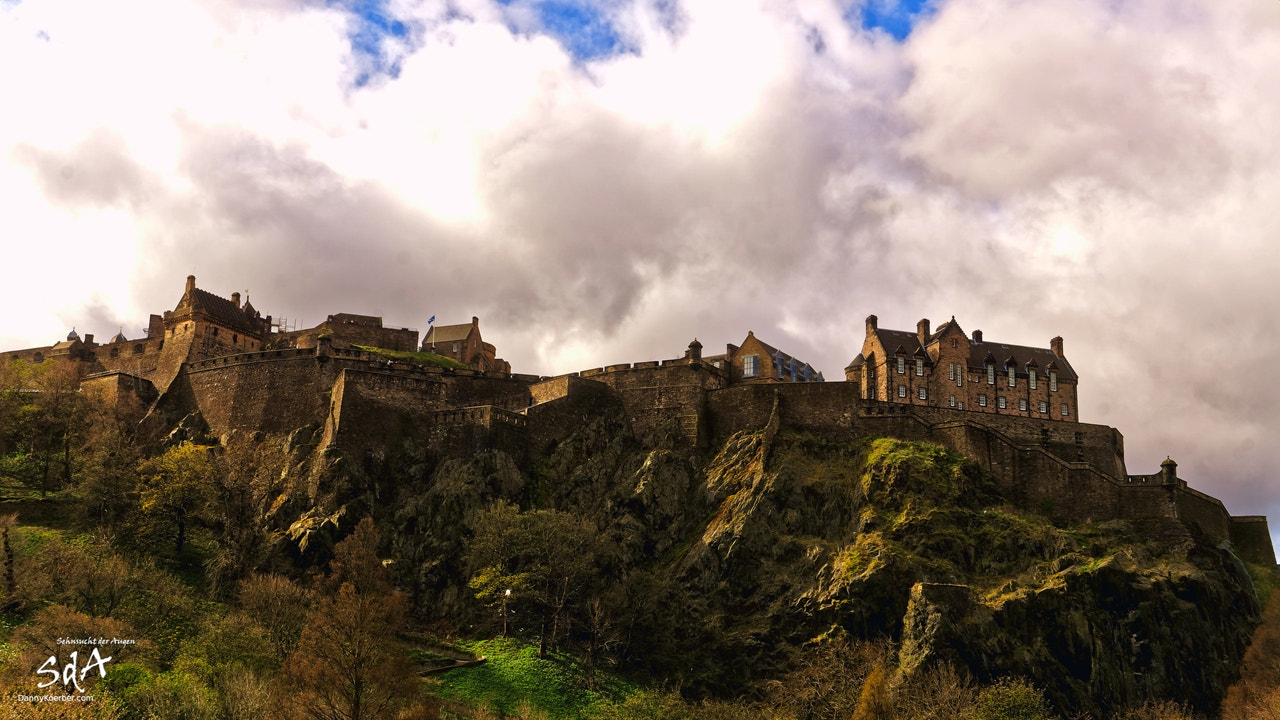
(1097, 170)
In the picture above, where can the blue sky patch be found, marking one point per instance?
(373, 23)
(896, 17)
(580, 26)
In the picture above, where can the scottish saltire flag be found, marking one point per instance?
(431, 319)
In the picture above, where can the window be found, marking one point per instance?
(953, 342)
(215, 332)
(115, 352)
(235, 339)
(902, 366)
(959, 375)
(1044, 408)
(1065, 410)
(455, 348)
(1022, 404)
(991, 374)
(951, 371)
(960, 406)
(982, 401)
(919, 367)
(952, 401)
(137, 349)
(1000, 402)
(749, 366)
(902, 391)
(1053, 381)
(924, 393)
(1013, 377)
(1031, 377)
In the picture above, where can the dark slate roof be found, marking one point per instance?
(224, 312)
(893, 339)
(1021, 355)
(858, 362)
(447, 333)
(978, 352)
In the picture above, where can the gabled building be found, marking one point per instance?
(756, 361)
(214, 325)
(464, 344)
(948, 368)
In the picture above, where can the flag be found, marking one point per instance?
(431, 319)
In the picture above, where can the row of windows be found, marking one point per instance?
(1002, 403)
(955, 373)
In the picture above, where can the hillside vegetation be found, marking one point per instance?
(775, 574)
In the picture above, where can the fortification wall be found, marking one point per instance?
(654, 393)
(274, 392)
(1252, 539)
(140, 357)
(1196, 509)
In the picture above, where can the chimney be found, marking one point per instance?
(235, 298)
(1056, 345)
(191, 284)
(88, 338)
(871, 324)
(475, 321)
(922, 330)
(977, 337)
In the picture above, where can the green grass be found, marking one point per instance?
(1264, 579)
(422, 358)
(513, 673)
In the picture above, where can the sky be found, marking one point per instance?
(602, 181)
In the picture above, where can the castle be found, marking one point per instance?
(1010, 408)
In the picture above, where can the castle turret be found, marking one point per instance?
(1168, 469)
(694, 353)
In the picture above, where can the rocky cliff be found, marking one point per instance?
(727, 563)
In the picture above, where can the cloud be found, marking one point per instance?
(1099, 171)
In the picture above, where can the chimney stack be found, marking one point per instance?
(1056, 345)
(922, 331)
(977, 337)
(872, 321)
(191, 284)
(235, 298)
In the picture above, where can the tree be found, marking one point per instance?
(237, 508)
(346, 664)
(176, 486)
(545, 558)
(42, 418)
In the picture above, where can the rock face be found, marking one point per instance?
(732, 559)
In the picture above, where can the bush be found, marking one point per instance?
(1010, 699)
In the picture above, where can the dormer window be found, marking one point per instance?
(991, 374)
(1031, 377)
(902, 366)
(1013, 377)
(1053, 381)
(749, 366)
(919, 367)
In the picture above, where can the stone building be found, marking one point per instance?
(215, 325)
(755, 361)
(948, 368)
(464, 344)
